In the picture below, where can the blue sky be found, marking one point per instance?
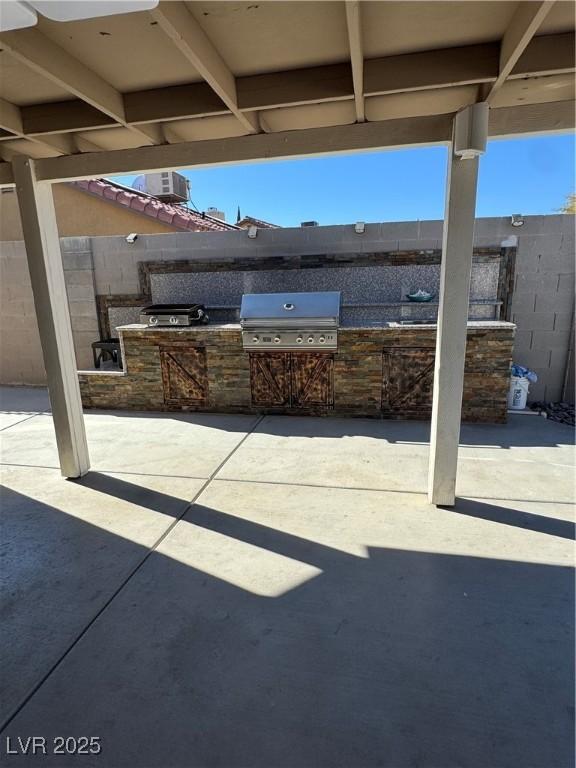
(529, 176)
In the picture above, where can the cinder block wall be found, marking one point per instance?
(79, 276)
(20, 352)
(115, 261)
(543, 304)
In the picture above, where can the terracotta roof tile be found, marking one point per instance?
(138, 204)
(179, 217)
(180, 220)
(110, 193)
(165, 215)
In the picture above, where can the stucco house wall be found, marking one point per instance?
(79, 214)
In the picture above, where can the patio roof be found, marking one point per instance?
(206, 83)
(188, 72)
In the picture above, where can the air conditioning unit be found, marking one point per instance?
(169, 186)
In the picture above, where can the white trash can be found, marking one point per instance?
(518, 393)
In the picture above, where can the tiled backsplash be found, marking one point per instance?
(369, 293)
(359, 285)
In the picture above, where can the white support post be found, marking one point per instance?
(47, 278)
(456, 269)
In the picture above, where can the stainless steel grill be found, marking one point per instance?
(290, 320)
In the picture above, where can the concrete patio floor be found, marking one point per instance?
(236, 592)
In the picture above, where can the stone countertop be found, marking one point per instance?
(471, 324)
(176, 328)
(393, 325)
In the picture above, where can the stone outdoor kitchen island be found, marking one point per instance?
(383, 371)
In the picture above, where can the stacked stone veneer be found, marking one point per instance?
(359, 388)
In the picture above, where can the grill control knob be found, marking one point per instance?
(173, 320)
(153, 320)
(310, 339)
(277, 339)
(255, 339)
(322, 339)
(299, 339)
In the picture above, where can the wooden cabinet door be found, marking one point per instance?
(270, 378)
(407, 381)
(184, 375)
(312, 380)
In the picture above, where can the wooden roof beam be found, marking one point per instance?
(354, 25)
(61, 145)
(436, 129)
(63, 117)
(188, 36)
(51, 61)
(309, 85)
(508, 121)
(39, 53)
(173, 102)
(467, 65)
(444, 68)
(11, 120)
(476, 64)
(522, 28)
(547, 55)
(314, 141)
(85, 145)
(149, 106)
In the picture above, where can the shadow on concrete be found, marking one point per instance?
(517, 518)
(15, 399)
(397, 659)
(518, 432)
(57, 573)
(133, 493)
